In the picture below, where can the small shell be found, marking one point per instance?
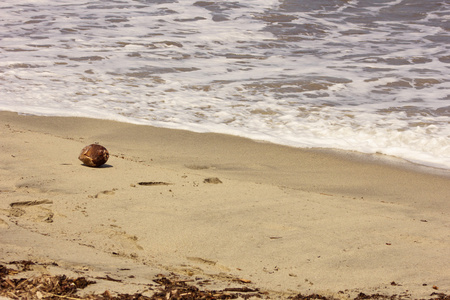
(94, 155)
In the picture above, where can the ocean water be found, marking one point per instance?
(371, 76)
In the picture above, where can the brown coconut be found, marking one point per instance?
(94, 155)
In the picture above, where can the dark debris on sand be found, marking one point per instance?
(61, 287)
(43, 287)
(362, 296)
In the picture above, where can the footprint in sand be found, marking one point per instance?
(208, 262)
(33, 210)
(118, 241)
(104, 193)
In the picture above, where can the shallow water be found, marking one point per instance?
(370, 76)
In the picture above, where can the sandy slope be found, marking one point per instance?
(288, 220)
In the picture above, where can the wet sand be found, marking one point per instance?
(278, 219)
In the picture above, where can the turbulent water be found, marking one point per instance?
(364, 75)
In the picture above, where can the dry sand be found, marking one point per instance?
(284, 220)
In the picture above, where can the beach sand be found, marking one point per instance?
(281, 220)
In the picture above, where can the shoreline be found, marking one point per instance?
(377, 157)
(288, 220)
